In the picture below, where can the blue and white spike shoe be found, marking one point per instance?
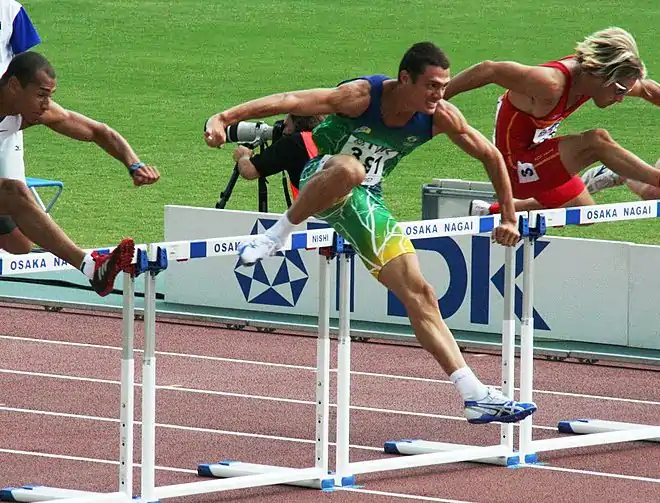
(496, 407)
(257, 248)
(600, 178)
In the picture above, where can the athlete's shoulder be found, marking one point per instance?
(353, 97)
(448, 119)
(558, 70)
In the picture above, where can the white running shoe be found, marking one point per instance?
(258, 248)
(599, 178)
(496, 407)
(479, 208)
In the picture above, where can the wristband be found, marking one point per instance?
(134, 167)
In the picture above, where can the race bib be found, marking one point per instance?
(527, 173)
(373, 158)
(546, 133)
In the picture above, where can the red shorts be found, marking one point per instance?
(539, 173)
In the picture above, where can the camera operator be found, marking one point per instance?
(291, 152)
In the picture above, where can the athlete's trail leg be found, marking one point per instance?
(581, 150)
(403, 277)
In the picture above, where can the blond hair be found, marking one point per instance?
(611, 54)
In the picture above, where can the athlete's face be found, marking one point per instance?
(614, 93)
(426, 92)
(34, 99)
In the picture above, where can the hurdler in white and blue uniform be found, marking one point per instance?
(17, 34)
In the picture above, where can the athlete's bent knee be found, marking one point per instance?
(348, 167)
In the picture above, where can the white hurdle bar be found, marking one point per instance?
(419, 446)
(419, 452)
(46, 262)
(595, 432)
(237, 475)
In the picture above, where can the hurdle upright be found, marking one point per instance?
(233, 475)
(423, 453)
(11, 265)
(596, 432)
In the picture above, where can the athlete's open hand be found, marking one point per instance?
(506, 234)
(214, 132)
(145, 175)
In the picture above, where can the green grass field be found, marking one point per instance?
(156, 70)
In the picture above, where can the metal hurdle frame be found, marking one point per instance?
(30, 493)
(596, 432)
(236, 475)
(423, 453)
(419, 446)
(245, 475)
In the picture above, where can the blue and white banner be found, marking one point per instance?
(583, 288)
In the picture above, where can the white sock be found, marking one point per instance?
(87, 267)
(281, 229)
(468, 385)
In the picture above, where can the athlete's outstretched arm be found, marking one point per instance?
(450, 121)
(532, 81)
(647, 89)
(349, 99)
(80, 127)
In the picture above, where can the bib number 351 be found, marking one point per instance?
(372, 163)
(372, 157)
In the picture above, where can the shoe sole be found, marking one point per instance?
(513, 418)
(125, 250)
(241, 260)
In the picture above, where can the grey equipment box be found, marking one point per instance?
(445, 198)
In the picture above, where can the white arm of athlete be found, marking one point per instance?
(349, 99)
(533, 81)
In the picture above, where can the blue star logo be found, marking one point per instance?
(277, 281)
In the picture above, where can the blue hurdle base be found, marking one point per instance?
(229, 468)
(43, 493)
(410, 447)
(587, 426)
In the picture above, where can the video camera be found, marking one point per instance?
(254, 133)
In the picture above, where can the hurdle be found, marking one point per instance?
(15, 264)
(230, 474)
(419, 446)
(424, 453)
(595, 432)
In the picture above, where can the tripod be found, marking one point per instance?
(262, 189)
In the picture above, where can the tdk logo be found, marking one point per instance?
(477, 272)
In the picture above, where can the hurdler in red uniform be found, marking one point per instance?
(544, 167)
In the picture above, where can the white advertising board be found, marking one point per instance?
(585, 290)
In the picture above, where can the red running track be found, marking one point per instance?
(59, 396)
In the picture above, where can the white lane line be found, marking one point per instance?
(398, 495)
(591, 472)
(88, 460)
(183, 470)
(178, 388)
(179, 427)
(313, 369)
